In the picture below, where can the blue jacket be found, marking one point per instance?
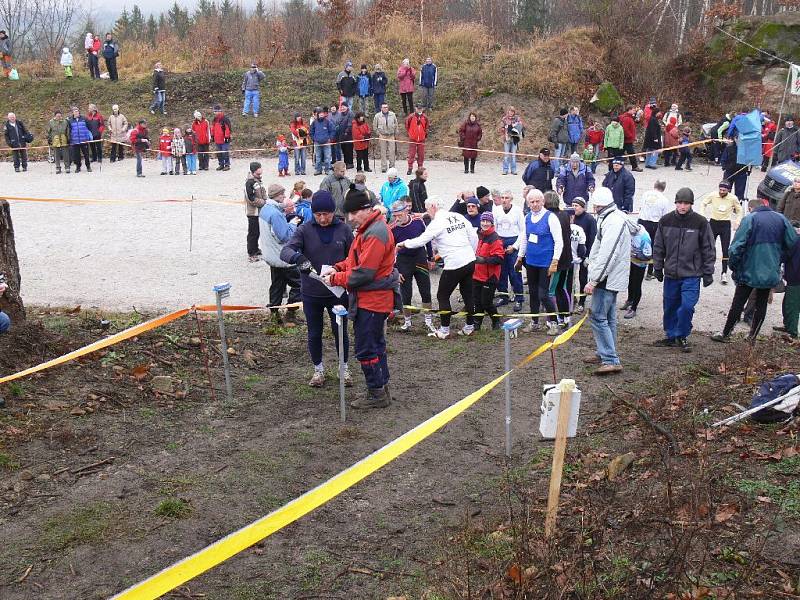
(275, 232)
(539, 175)
(78, 131)
(572, 186)
(321, 246)
(622, 186)
(391, 192)
(303, 210)
(379, 82)
(574, 128)
(322, 131)
(758, 247)
(364, 85)
(428, 75)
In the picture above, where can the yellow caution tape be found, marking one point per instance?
(218, 552)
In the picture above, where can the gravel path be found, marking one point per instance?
(135, 252)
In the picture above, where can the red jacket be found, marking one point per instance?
(629, 127)
(96, 45)
(768, 138)
(165, 145)
(595, 136)
(221, 129)
(490, 248)
(371, 257)
(202, 130)
(361, 132)
(101, 122)
(295, 127)
(417, 127)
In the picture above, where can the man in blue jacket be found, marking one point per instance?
(540, 172)
(428, 79)
(379, 83)
(755, 257)
(621, 183)
(364, 88)
(323, 133)
(575, 180)
(325, 240)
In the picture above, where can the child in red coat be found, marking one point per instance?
(165, 151)
(489, 258)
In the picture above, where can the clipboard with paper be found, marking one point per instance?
(336, 290)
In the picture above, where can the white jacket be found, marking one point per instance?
(653, 206)
(509, 224)
(609, 259)
(455, 239)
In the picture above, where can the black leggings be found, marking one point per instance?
(740, 297)
(408, 102)
(413, 270)
(539, 291)
(635, 285)
(461, 278)
(469, 165)
(78, 151)
(362, 160)
(650, 227)
(484, 301)
(253, 231)
(722, 229)
(583, 279)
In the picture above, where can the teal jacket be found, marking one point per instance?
(758, 246)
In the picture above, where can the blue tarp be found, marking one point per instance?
(747, 129)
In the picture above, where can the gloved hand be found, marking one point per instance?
(708, 280)
(305, 266)
(480, 260)
(658, 274)
(553, 267)
(518, 264)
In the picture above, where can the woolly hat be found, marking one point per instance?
(684, 195)
(602, 197)
(487, 216)
(545, 151)
(254, 166)
(198, 114)
(356, 200)
(580, 201)
(322, 201)
(275, 190)
(725, 184)
(618, 160)
(473, 200)
(481, 192)
(574, 156)
(392, 172)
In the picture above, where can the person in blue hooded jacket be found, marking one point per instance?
(575, 129)
(379, 81)
(428, 80)
(621, 183)
(364, 88)
(575, 180)
(79, 138)
(393, 189)
(322, 132)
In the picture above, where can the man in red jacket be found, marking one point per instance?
(369, 275)
(417, 128)
(628, 122)
(221, 132)
(202, 129)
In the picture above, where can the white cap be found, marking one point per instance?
(392, 172)
(198, 114)
(115, 107)
(602, 196)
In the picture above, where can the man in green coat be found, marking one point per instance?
(755, 257)
(614, 139)
(58, 140)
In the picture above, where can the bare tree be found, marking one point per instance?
(53, 25)
(18, 18)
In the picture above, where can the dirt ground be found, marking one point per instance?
(104, 481)
(118, 256)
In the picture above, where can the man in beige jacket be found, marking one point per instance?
(118, 127)
(385, 125)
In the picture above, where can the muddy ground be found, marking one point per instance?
(104, 481)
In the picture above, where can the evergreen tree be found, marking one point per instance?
(204, 9)
(151, 31)
(260, 12)
(226, 8)
(122, 28)
(178, 20)
(137, 24)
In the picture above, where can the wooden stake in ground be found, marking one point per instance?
(564, 408)
(11, 301)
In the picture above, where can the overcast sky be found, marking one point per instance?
(106, 10)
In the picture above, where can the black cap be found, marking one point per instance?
(562, 112)
(254, 166)
(725, 184)
(684, 195)
(545, 151)
(481, 191)
(356, 199)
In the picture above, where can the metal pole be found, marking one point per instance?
(340, 312)
(510, 328)
(223, 291)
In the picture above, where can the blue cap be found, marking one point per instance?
(322, 201)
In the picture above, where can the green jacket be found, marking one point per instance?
(615, 136)
(58, 133)
(757, 249)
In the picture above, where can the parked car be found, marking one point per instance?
(778, 180)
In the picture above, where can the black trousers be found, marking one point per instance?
(202, 150)
(461, 278)
(583, 279)
(111, 66)
(635, 285)
(94, 65)
(408, 102)
(650, 227)
(362, 160)
(20, 157)
(413, 270)
(282, 277)
(347, 154)
(96, 149)
(253, 232)
(740, 297)
(79, 150)
(722, 229)
(629, 149)
(670, 157)
(117, 151)
(483, 291)
(539, 291)
(469, 165)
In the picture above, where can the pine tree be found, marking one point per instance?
(260, 12)
(151, 31)
(122, 28)
(226, 8)
(204, 9)
(136, 23)
(178, 20)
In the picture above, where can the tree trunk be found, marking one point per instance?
(11, 301)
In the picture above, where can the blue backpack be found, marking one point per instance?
(769, 390)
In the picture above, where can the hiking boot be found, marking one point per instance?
(518, 306)
(592, 359)
(666, 343)
(683, 344)
(408, 172)
(721, 337)
(376, 398)
(637, 170)
(347, 378)
(630, 314)
(608, 369)
(219, 168)
(625, 306)
(318, 379)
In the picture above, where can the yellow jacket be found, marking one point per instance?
(722, 209)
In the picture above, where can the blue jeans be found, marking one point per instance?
(603, 319)
(5, 322)
(371, 347)
(299, 161)
(251, 98)
(378, 101)
(314, 309)
(191, 163)
(139, 156)
(510, 157)
(652, 159)
(680, 298)
(323, 156)
(560, 152)
(159, 101)
(223, 157)
(507, 271)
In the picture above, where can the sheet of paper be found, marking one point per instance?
(336, 290)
